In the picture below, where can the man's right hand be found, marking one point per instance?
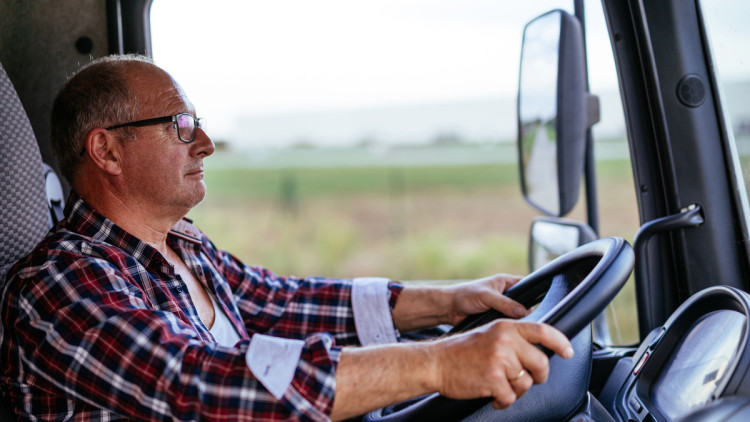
(498, 360)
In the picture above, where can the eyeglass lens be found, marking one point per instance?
(186, 126)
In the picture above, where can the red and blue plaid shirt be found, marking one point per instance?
(96, 325)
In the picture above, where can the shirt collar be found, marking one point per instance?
(81, 217)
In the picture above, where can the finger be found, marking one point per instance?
(511, 279)
(503, 396)
(503, 281)
(535, 362)
(521, 382)
(547, 336)
(506, 306)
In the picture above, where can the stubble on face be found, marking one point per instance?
(160, 171)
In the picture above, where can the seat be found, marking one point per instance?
(24, 211)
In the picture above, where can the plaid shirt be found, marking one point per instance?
(96, 325)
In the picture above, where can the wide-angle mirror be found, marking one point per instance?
(553, 112)
(553, 237)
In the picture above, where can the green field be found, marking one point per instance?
(406, 223)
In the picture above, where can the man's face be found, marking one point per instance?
(159, 170)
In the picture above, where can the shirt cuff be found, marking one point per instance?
(309, 393)
(273, 361)
(372, 310)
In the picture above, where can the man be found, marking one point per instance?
(127, 310)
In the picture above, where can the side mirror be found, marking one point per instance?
(552, 237)
(554, 111)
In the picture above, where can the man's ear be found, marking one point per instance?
(104, 150)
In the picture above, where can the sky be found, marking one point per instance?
(334, 53)
(291, 56)
(267, 58)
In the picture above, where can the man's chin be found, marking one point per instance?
(195, 197)
(200, 195)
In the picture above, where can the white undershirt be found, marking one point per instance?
(223, 331)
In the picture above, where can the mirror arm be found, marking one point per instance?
(592, 116)
(592, 205)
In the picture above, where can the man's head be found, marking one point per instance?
(97, 146)
(98, 95)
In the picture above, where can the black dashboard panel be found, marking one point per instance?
(691, 375)
(697, 357)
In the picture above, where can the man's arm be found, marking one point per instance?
(89, 333)
(293, 307)
(428, 306)
(485, 362)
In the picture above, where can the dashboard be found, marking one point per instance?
(692, 374)
(699, 356)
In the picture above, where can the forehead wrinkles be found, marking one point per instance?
(161, 94)
(171, 100)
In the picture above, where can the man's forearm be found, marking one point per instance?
(373, 377)
(422, 306)
(498, 360)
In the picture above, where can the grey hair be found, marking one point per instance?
(98, 95)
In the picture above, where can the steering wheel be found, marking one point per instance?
(570, 292)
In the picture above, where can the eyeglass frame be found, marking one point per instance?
(199, 123)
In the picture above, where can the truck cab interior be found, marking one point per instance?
(689, 155)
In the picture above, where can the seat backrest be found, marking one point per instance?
(24, 214)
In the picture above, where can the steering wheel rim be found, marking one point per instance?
(590, 277)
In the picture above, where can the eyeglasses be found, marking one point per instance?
(186, 124)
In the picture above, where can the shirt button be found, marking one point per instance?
(178, 288)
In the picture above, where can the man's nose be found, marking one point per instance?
(203, 144)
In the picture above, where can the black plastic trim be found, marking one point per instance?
(661, 343)
(129, 26)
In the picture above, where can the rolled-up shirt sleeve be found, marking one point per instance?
(300, 374)
(354, 312)
(279, 364)
(372, 310)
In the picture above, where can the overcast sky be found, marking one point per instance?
(299, 54)
(260, 57)
(265, 57)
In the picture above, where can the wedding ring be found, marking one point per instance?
(519, 376)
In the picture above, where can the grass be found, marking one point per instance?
(406, 223)
(315, 182)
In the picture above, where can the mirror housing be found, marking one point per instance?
(554, 112)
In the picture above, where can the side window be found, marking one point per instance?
(727, 32)
(357, 138)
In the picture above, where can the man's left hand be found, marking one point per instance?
(482, 295)
(421, 306)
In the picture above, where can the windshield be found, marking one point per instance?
(378, 137)
(727, 31)
(357, 137)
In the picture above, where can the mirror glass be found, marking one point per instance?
(551, 239)
(537, 111)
